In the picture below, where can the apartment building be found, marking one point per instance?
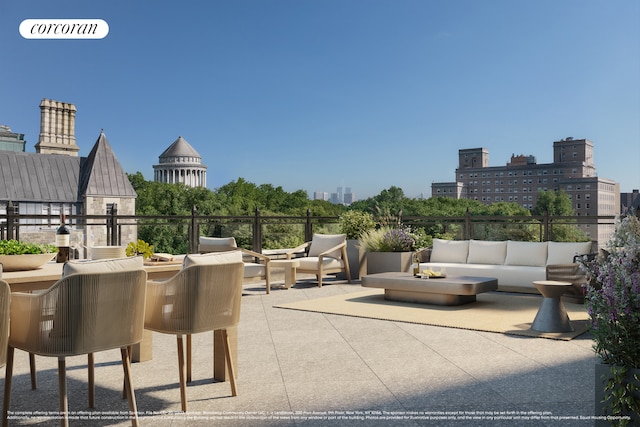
(521, 179)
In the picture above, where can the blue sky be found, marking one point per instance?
(316, 94)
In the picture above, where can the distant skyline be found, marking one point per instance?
(311, 94)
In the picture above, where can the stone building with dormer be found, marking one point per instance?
(55, 180)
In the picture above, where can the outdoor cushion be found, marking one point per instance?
(563, 252)
(485, 252)
(216, 244)
(526, 253)
(322, 242)
(311, 263)
(450, 250)
(103, 265)
(212, 258)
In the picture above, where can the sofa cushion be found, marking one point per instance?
(526, 253)
(212, 258)
(103, 265)
(563, 252)
(450, 251)
(485, 252)
(322, 242)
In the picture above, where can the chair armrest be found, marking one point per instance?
(291, 252)
(26, 315)
(263, 257)
(335, 248)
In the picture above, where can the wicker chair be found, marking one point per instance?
(5, 301)
(327, 253)
(79, 314)
(200, 298)
(251, 269)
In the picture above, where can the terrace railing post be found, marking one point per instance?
(10, 219)
(257, 232)
(467, 225)
(546, 224)
(194, 231)
(112, 226)
(308, 228)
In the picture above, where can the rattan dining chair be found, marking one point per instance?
(199, 298)
(80, 314)
(5, 301)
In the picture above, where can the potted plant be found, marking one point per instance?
(389, 249)
(613, 303)
(139, 248)
(16, 255)
(354, 224)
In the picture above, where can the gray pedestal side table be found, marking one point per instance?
(552, 316)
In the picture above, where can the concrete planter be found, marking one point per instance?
(380, 262)
(357, 259)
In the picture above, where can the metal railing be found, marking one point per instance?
(252, 231)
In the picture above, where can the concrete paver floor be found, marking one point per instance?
(299, 368)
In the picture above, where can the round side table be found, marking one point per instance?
(552, 316)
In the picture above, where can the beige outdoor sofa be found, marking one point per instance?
(515, 264)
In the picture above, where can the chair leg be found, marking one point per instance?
(126, 365)
(92, 380)
(267, 279)
(181, 370)
(124, 380)
(7, 387)
(227, 352)
(32, 370)
(62, 392)
(188, 358)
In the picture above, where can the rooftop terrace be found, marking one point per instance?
(300, 368)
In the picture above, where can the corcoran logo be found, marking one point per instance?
(64, 29)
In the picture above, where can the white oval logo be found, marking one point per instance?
(64, 29)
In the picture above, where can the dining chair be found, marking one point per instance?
(259, 269)
(81, 313)
(94, 266)
(203, 296)
(326, 254)
(5, 301)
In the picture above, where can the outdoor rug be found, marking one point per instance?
(499, 312)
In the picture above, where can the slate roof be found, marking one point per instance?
(34, 177)
(179, 148)
(101, 173)
(30, 177)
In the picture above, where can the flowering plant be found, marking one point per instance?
(386, 239)
(613, 303)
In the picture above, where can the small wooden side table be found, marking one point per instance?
(289, 266)
(552, 316)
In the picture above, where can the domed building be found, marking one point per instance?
(180, 163)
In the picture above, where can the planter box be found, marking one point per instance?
(602, 375)
(357, 259)
(380, 262)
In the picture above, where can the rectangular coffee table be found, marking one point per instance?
(450, 290)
